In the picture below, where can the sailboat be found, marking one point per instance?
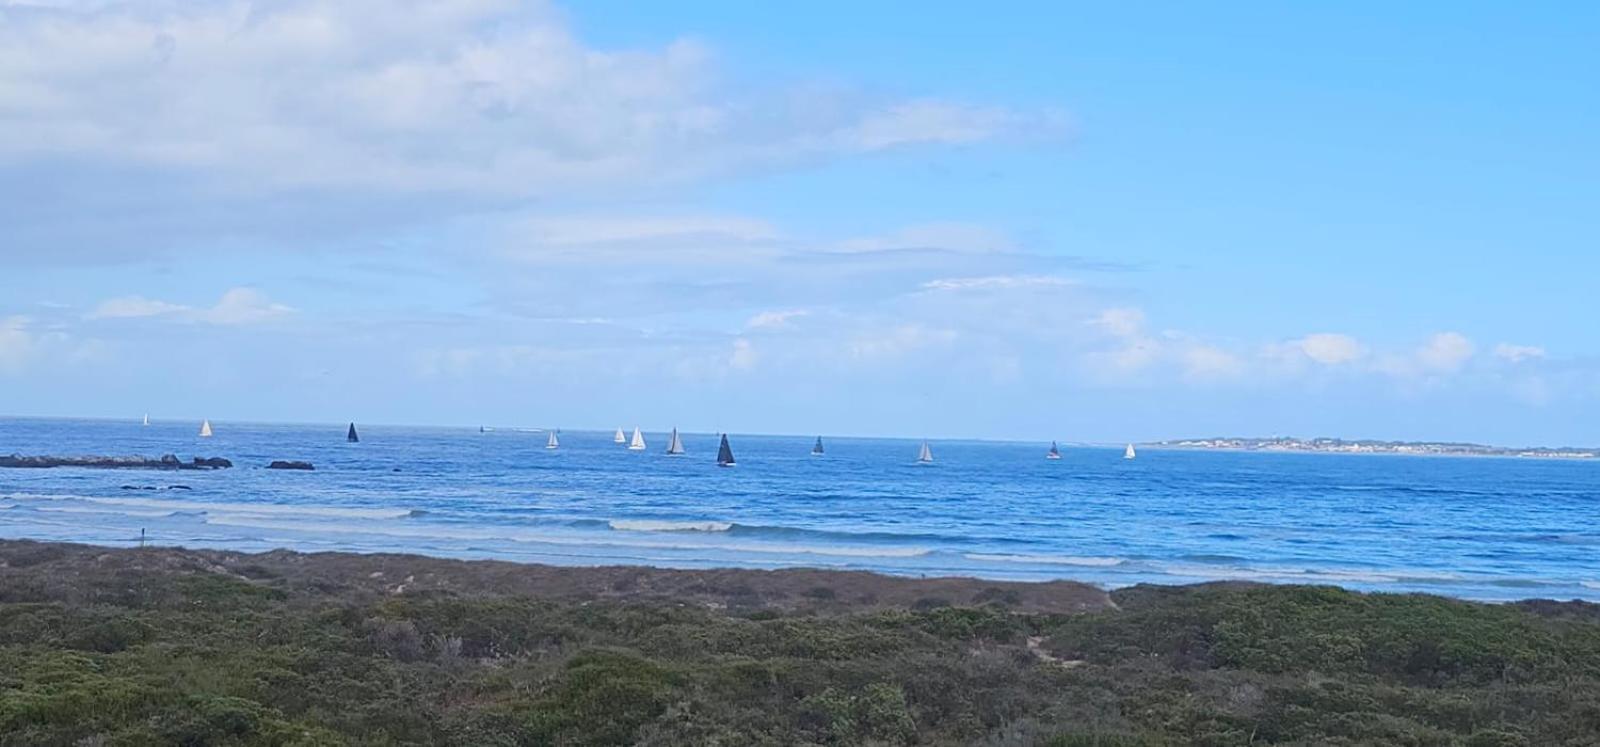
(926, 455)
(205, 429)
(1129, 453)
(552, 442)
(619, 438)
(724, 453)
(351, 436)
(1053, 453)
(637, 444)
(147, 419)
(675, 444)
(817, 450)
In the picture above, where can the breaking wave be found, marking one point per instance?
(1088, 561)
(646, 525)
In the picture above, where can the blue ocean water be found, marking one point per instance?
(1474, 528)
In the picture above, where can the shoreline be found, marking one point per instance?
(788, 584)
(376, 573)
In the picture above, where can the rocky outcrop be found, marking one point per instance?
(281, 464)
(167, 461)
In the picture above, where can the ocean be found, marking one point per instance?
(1477, 528)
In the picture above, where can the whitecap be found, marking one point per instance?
(418, 531)
(108, 510)
(258, 509)
(646, 525)
(1090, 561)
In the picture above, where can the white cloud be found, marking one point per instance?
(1518, 353)
(17, 344)
(134, 307)
(1330, 349)
(1445, 352)
(587, 231)
(744, 356)
(237, 306)
(485, 97)
(932, 121)
(900, 340)
(242, 306)
(1121, 322)
(995, 282)
(1210, 362)
(774, 319)
(946, 237)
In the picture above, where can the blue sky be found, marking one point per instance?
(1019, 220)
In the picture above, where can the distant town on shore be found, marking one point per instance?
(1367, 446)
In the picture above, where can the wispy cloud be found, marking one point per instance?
(995, 282)
(1445, 352)
(237, 306)
(1330, 349)
(775, 319)
(16, 343)
(481, 97)
(1518, 353)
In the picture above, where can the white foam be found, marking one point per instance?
(646, 525)
(257, 509)
(1301, 575)
(432, 532)
(1090, 561)
(42, 497)
(1590, 584)
(112, 511)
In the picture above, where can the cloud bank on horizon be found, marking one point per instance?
(465, 212)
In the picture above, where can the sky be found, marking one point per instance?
(1088, 222)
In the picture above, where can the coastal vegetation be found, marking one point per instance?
(165, 646)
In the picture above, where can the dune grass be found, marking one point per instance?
(175, 656)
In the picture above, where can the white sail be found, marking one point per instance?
(619, 438)
(675, 444)
(553, 442)
(926, 455)
(637, 444)
(205, 429)
(1129, 453)
(147, 418)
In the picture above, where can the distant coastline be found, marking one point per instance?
(1371, 446)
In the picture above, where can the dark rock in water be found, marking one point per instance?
(130, 487)
(281, 464)
(167, 461)
(179, 487)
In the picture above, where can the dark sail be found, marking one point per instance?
(1053, 450)
(818, 448)
(351, 436)
(724, 453)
